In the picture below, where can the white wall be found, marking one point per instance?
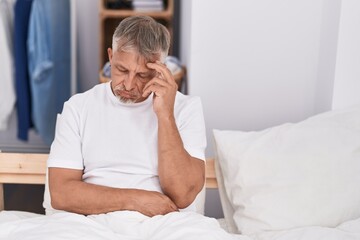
(347, 77)
(256, 64)
(185, 27)
(88, 43)
(259, 63)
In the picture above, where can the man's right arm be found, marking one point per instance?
(69, 193)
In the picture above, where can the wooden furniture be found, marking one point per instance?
(110, 18)
(30, 168)
(22, 169)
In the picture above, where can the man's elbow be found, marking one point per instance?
(183, 203)
(183, 199)
(56, 201)
(56, 205)
(60, 196)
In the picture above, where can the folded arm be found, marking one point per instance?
(70, 193)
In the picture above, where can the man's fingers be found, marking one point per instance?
(174, 207)
(158, 90)
(156, 81)
(160, 67)
(155, 85)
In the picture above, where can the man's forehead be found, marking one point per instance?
(130, 60)
(135, 55)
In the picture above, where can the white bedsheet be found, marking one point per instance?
(131, 225)
(349, 230)
(123, 225)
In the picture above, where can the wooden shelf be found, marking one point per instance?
(119, 13)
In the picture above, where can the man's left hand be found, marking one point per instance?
(164, 88)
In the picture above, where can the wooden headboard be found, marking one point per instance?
(30, 168)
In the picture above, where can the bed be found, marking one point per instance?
(30, 168)
(292, 181)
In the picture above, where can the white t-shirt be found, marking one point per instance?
(115, 144)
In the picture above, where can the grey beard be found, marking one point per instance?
(125, 100)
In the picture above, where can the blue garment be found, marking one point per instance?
(22, 83)
(49, 63)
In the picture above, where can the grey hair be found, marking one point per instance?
(144, 35)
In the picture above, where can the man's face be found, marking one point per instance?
(129, 75)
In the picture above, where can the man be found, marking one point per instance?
(134, 144)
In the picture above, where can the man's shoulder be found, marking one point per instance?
(80, 99)
(182, 98)
(95, 91)
(183, 101)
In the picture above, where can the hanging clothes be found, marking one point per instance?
(7, 14)
(7, 89)
(22, 83)
(49, 63)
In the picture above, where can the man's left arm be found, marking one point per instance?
(181, 175)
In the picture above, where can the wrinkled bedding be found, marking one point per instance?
(132, 225)
(122, 225)
(349, 230)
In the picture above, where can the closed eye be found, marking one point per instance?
(147, 75)
(121, 69)
(144, 75)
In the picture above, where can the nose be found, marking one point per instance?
(129, 81)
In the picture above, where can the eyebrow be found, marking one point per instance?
(119, 65)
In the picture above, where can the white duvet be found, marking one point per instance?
(132, 226)
(124, 225)
(349, 230)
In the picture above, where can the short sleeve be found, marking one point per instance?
(192, 128)
(66, 148)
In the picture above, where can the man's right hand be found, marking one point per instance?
(151, 203)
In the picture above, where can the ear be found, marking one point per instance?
(110, 55)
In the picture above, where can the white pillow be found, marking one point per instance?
(293, 175)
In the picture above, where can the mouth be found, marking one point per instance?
(125, 94)
(126, 97)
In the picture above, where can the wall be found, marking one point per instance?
(88, 43)
(347, 83)
(256, 64)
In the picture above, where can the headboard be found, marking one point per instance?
(30, 168)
